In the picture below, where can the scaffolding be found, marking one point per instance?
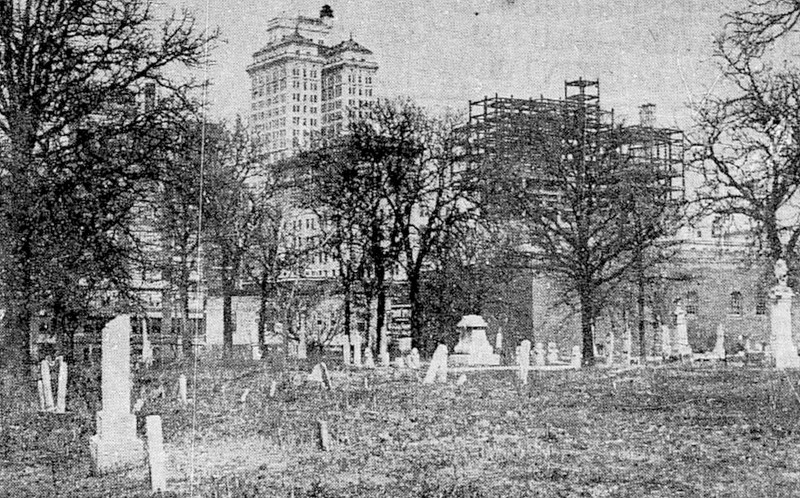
(506, 129)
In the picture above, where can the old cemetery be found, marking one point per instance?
(471, 420)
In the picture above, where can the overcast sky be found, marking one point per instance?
(443, 53)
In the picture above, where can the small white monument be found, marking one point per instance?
(719, 347)
(576, 358)
(539, 355)
(473, 348)
(666, 342)
(255, 347)
(524, 359)
(302, 349)
(680, 343)
(156, 457)
(147, 346)
(115, 446)
(61, 393)
(437, 370)
(610, 347)
(47, 386)
(627, 346)
(498, 341)
(355, 340)
(552, 353)
(346, 351)
(413, 359)
(782, 345)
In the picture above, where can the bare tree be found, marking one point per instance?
(747, 141)
(80, 147)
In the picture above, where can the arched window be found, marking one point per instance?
(692, 303)
(736, 303)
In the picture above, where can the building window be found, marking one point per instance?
(761, 303)
(736, 303)
(691, 303)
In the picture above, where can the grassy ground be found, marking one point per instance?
(669, 431)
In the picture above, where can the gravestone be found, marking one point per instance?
(385, 359)
(680, 344)
(524, 360)
(404, 344)
(539, 355)
(115, 446)
(302, 349)
(243, 398)
(273, 388)
(346, 351)
(324, 436)
(783, 348)
(156, 457)
(61, 393)
(610, 347)
(47, 386)
(462, 379)
(552, 353)
(413, 359)
(320, 374)
(356, 341)
(748, 344)
(369, 361)
(399, 362)
(627, 346)
(182, 390)
(666, 342)
(719, 345)
(498, 342)
(147, 347)
(576, 357)
(437, 370)
(473, 348)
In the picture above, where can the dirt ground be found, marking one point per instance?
(672, 430)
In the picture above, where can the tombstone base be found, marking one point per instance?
(112, 454)
(473, 359)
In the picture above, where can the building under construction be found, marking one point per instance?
(526, 132)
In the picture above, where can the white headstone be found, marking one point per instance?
(243, 398)
(369, 360)
(115, 446)
(385, 359)
(47, 386)
(576, 357)
(324, 436)
(437, 370)
(356, 341)
(346, 351)
(552, 353)
(61, 393)
(413, 359)
(680, 345)
(498, 342)
(719, 345)
(783, 348)
(156, 457)
(316, 374)
(524, 359)
(399, 362)
(473, 347)
(182, 390)
(627, 345)
(273, 388)
(539, 355)
(462, 379)
(666, 342)
(610, 347)
(147, 347)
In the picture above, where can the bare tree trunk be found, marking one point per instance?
(587, 319)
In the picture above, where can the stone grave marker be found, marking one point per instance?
(524, 359)
(462, 379)
(47, 386)
(115, 446)
(302, 349)
(498, 342)
(437, 370)
(324, 436)
(783, 348)
(369, 360)
(243, 398)
(399, 362)
(320, 374)
(680, 343)
(273, 388)
(576, 357)
(356, 341)
(413, 359)
(147, 347)
(539, 355)
(610, 347)
(666, 342)
(346, 351)
(182, 390)
(385, 359)
(156, 457)
(719, 345)
(473, 347)
(138, 405)
(552, 353)
(61, 393)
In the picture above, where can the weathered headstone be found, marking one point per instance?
(437, 370)
(627, 346)
(385, 359)
(138, 405)
(115, 446)
(273, 388)
(524, 359)
(576, 357)
(462, 379)
(666, 342)
(783, 348)
(182, 390)
(147, 346)
(719, 345)
(399, 362)
(324, 436)
(748, 344)
(47, 386)
(316, 374)
(356, 341)
(498, 342)
(473, 347)
(413, 359)
(346, 351)
(610, 347)
(255, 347)
(539, 355)
(156, 457)
(243, 398)
(369, 360)
(552, 353)
(680, 346)
(61, 393)
(404, 344)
